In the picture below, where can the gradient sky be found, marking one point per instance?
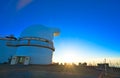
(89, 27)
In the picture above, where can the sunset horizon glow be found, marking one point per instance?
(80, 52)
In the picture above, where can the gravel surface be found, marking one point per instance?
(40, 71)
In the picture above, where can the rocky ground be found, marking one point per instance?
(54, 71)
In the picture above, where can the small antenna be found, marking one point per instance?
(105, 67)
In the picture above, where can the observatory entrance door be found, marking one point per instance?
(21, 60)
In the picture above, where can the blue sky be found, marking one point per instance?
(94, 23)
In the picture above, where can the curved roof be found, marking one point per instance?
(40, 31)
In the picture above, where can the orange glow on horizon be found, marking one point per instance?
(75, 51)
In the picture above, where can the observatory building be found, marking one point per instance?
(35, 46)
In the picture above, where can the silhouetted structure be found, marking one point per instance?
(103, 66)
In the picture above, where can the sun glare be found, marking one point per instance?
(73, 51)
(69, 54)
(69, 57)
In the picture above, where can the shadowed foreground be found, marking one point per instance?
(51, 71)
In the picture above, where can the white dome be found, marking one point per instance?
(40, 31)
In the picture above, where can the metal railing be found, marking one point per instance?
(31, 42)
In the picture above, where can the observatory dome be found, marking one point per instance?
(40, 31)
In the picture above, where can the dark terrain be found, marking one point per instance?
(55, 71)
